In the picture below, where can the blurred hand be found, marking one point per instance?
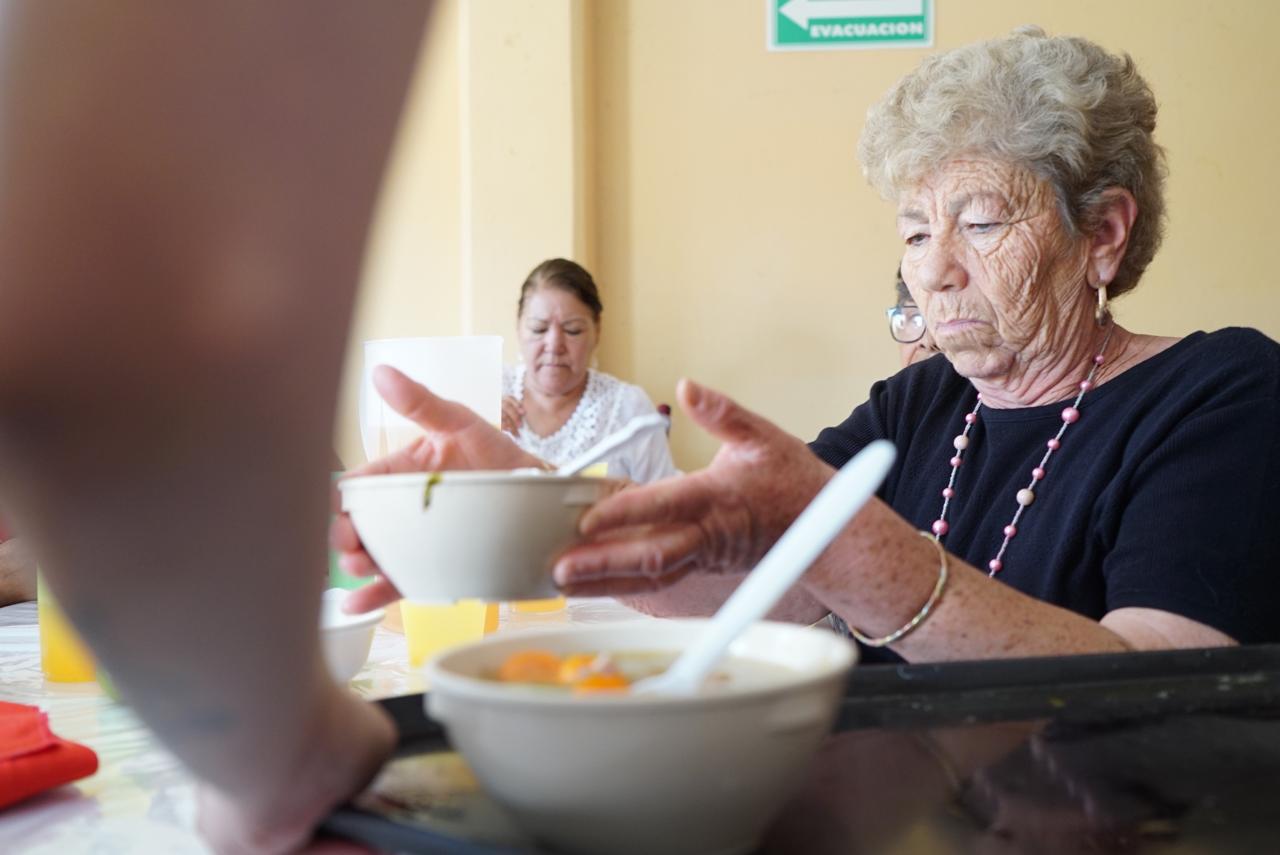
(17, 572)
(352, 739)
(512, 415)
(721, 519)
(456, 438)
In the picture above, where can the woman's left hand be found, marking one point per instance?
(721, 519)
(455, 438)
(512, 415)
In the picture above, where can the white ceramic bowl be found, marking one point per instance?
(638, 774)
(346, 639)
(482, 535)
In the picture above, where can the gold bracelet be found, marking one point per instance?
(885, 640)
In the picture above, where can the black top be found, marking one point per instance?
(1165, 494)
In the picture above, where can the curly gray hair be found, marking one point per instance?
(1062, 107)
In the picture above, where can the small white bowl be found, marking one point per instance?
(618, 774)
(481, 535)
(346, 639)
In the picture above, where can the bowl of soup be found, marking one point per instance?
(602, 769)
(441, 537)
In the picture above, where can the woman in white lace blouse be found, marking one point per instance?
(554, 404)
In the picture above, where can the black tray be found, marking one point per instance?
(1102, 690)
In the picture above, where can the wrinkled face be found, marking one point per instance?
(988, 260)
(557, 338)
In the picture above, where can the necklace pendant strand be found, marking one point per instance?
(1027, 495)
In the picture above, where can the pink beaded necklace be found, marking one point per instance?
(1025, 496)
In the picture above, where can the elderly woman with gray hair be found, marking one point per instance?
(1085, 487)
(1081, 487)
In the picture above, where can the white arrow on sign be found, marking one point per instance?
(802, 11)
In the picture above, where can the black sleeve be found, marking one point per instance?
(1199, 533)
(837, 445)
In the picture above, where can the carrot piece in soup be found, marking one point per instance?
(530, 666)
(576, 666)
(601, 681)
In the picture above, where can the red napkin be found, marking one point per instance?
(32, 759)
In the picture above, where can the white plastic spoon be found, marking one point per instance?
(780, 568)
(612, 442)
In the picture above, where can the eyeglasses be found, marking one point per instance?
(906, 324)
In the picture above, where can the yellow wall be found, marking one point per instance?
(489, 177)
(716, 196)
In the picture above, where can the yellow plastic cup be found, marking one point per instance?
(63, 656)
(551, 604)
(429, 629)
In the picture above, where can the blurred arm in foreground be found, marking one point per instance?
(187, 189)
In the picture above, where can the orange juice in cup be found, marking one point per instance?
(63, 656)
(551, 604)
(428, 629)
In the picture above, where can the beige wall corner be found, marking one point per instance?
(522, 151)
(490, 175)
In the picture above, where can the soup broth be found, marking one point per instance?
(616, 671)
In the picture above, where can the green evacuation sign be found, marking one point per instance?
(849, 24)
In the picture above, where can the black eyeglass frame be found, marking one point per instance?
(902, 311)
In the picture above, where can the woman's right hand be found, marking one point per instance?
(720, 520)
(455, 438)
(512, 415)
